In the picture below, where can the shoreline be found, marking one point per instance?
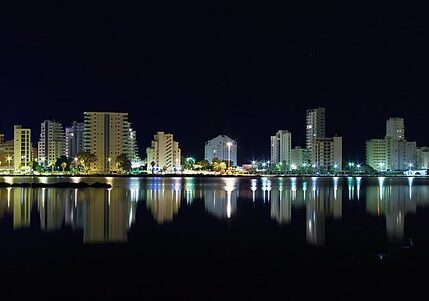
(210, 176)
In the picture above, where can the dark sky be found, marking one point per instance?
(214, 67)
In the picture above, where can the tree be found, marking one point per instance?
(123, 162)
(62, 162)
(86, 159)
(36, 166)
(153, 166)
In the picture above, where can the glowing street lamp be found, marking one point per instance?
(109, 160)
(381, 165)
(358, 166)
(229, 144)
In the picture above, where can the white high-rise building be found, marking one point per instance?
(403, 154)
(105, 137)
(22, 148)
(281, 144)
(327, 154)
(395, 128)
(221, 147)
(164, 154)
(51, 143)
(315, 125)
(423, 158)
(75, 139)
(394, 152)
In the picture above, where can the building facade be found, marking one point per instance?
(315, 125)
(22, 148)
(300, 157)
(422, 157)
(394, 152)
(164, 155)
(75, 139)
(105, 137)
(327, 154)
(395, 128)
(378, 154)
(403, 155)
(281, 144)
(51, 143)
(221, 147)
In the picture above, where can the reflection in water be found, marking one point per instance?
(221, 203)
(106, 215)
(394, 201)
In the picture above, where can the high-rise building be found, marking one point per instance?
(422, 157)
(300, 156)
(378, 154)
(132, 149)
(22, 148)
(315, 125)
(105, 137)
(403, 154)
(327, 153)
(281, 144)
(51, 143)
(395, 128)
(394, 152)
(221, 147)
(75, 139)
(164, 154)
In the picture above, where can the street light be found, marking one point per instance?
(229, 144)
(358, 167)
(109, 160)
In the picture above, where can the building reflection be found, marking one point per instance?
(104, 215)
(221, 202)
(320, 202)
(394, 201)
(163, 203)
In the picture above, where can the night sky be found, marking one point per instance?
(212, 67)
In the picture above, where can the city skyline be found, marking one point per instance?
(130, 146)
(261, 71)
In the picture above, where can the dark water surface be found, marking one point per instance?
(215, 238)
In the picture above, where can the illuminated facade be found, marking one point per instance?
(281, 144)
(395, 128)
(52, 143)
(393, 153)
(22, 149)
(221, 147)
(164, 155)
(422, 157)
(300, 157)
(75, 139)
(105, 137)
(327, 153)
(315, 125)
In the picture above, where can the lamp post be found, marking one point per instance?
(229, 144)
(109, 160)
(335, 168)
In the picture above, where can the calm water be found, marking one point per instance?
(319, 208)
(216, 238)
